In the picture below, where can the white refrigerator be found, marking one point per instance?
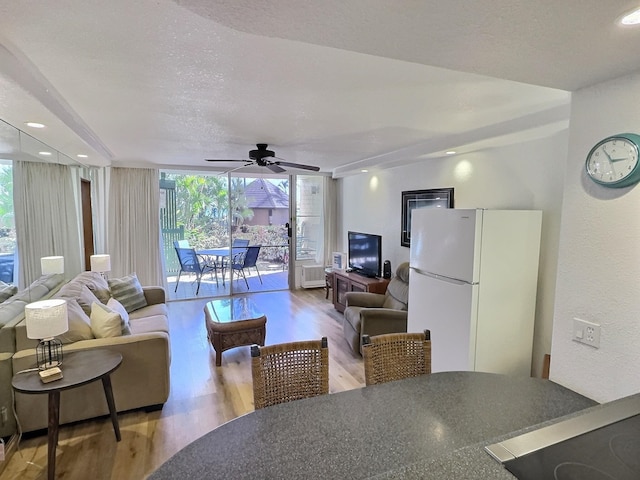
(472, 283)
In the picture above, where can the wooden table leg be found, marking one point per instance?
(52, 433)
(217, 346)
(108, 392)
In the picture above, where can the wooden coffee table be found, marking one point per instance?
(233, 322)
(78, 368)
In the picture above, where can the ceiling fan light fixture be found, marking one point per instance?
(632, 18)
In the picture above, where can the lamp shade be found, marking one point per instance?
(100, 263)
(46, 318)
(50, 265)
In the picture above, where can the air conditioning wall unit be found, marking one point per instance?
(313, 276)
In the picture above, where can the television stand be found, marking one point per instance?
(344, 282)
(365, 274)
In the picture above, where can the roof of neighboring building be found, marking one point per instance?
(262, 193)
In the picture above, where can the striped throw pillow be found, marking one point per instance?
(128, 291)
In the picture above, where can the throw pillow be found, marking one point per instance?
(105, 323)
(80, 293)
(7, 291)
(96, 283)
(116, 306)
(79, 324)
(128, 291)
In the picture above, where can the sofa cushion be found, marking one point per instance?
(105, 322)
(79, 292)
(150, 310)
(79, 324)
(155, 323)
(128, 291)
(11, 309)
(7, 291)
(96, 283)
(115, 305)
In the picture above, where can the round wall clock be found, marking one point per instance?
(613, 162)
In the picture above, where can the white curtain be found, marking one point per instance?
(46, 218)
(134, 227)
(329, 213)
(99, 205)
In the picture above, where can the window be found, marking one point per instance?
(309, 214)
(7, 224)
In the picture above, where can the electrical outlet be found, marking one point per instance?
(586, 332)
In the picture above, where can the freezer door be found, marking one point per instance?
(443, 241)
(448, 309)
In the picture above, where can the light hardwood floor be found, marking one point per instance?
(202, 397)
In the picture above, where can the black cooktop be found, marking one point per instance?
(610, 452)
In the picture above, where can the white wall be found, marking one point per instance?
(523, 176)
(599, 260)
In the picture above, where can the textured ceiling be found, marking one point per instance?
(342, 85)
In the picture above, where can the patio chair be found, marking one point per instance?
(289, 371)
(191, 262)
(248, 260)
(240, 242)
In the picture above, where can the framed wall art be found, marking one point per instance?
(434, 198)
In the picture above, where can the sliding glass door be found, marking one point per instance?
(237, 227)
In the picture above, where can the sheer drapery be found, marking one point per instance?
(46, 218)
(134, 226)
(330, 205)
(99, 206)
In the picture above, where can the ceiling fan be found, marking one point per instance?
(260, 157)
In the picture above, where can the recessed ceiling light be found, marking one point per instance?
(364, 171)
(34, 125)
(82, 155)
(632, 18)
(450, 152)
(44, 154)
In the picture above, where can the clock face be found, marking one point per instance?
(613, 161)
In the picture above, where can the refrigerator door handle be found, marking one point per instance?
(443, 278)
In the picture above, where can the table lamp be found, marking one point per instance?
(46, 319)
(50, 265)
(101, 264)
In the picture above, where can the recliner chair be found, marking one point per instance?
(375, 313)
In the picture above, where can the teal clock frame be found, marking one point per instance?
(632, 177)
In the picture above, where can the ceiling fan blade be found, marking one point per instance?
(248, 162)
(298, 165)
(233, 169)
(275, 168)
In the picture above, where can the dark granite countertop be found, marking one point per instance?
(433, 426)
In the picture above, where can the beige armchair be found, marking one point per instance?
(375, 313)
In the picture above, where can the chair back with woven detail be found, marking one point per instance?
(394, 356)
(289, 371)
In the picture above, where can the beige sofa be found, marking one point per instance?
(142, 380)
(12, 313)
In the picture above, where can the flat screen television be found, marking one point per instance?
(365, 253)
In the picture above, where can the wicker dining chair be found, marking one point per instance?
(394, 356)
(289, 371)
